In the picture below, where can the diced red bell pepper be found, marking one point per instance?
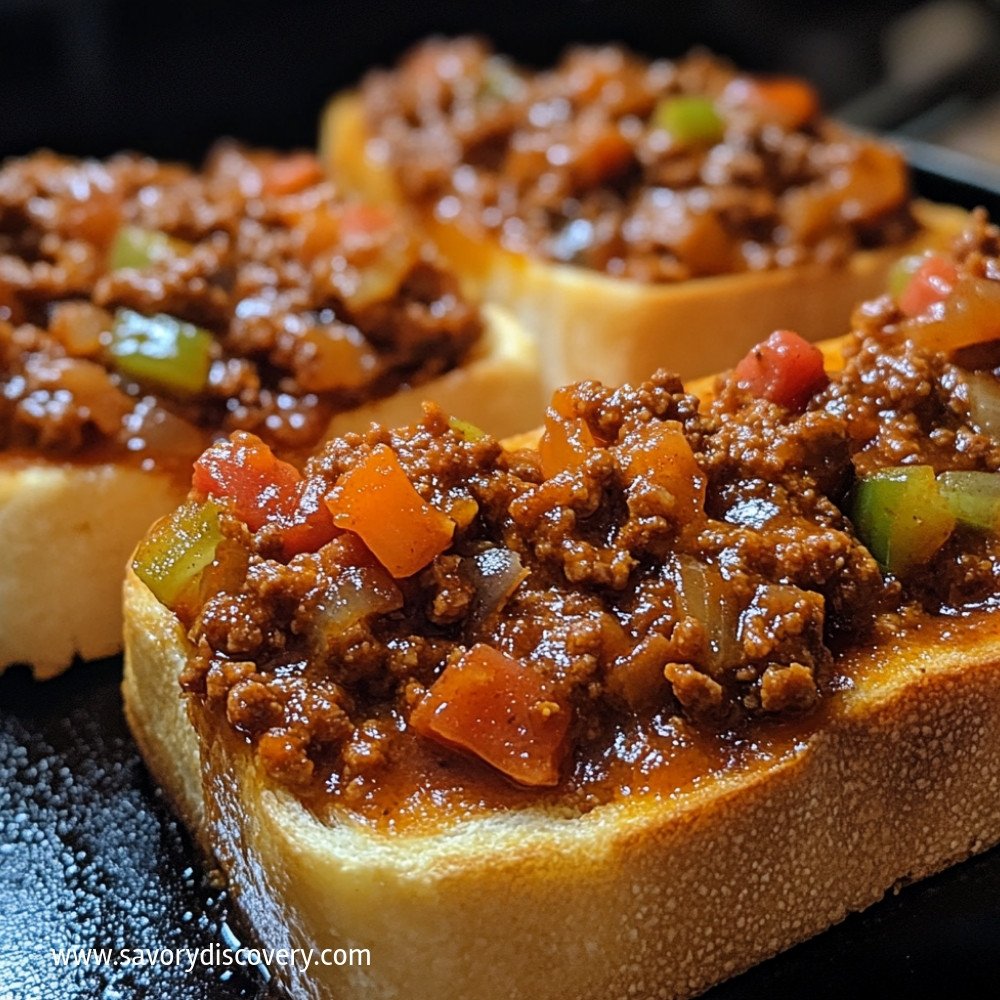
(498, 709)
(245, 472)
(932, 282)
(377, 501)
(784, 369)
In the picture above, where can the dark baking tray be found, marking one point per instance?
(91, 856)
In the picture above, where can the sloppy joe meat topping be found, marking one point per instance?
(658, 171)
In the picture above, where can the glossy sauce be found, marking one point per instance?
(426, 787)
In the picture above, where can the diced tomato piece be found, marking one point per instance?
(363, 219)
(495, 707)
(289, 174)
(932, 282)
(245, 472)
(377, 501)
(660, 453)
(784, 369)
(308, 525)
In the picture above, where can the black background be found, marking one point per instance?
(89, 853)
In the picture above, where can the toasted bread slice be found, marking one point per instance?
(67, 529)
(590, 325)
(649, 896)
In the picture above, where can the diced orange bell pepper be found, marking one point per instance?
(660, 453)
(565, 444)
(791, 101)
(495, 707)
(378, 502)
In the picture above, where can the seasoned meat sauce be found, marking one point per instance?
(313, 305)
(686, 584)
(657, 171)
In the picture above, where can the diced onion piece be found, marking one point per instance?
(901, 517)
(496, 573)
(377, 502)
(498, 709)
(984, 402)
(139, 248)
(703, 594)
(161, 350)
(974, 498)
(359, 589)
(171, 557)
(660, 454)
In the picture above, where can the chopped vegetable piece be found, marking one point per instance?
(565, 444)
(498, 709)
(466, 430)
(161, 350)
(243, 472)
(495, 573)
(932, 281)
(984, 402)
(659, 453)
(784, 369)
(137, 247)
(787, 100)
(689, 120)
(967, 316)
(171, 557)
(378, 502)
(974, 498)
(901, 517)
(902, 272)
(704, 595)
(359, 588)
(288, 174)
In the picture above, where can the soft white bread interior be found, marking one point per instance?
(591, 325)
(67, 529)
(647, 897)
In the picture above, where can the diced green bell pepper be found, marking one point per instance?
(690, 120)
(901, 517)
(468, 431)
(138, 247)
(161, 350)
(974, 498)
(173, 555)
